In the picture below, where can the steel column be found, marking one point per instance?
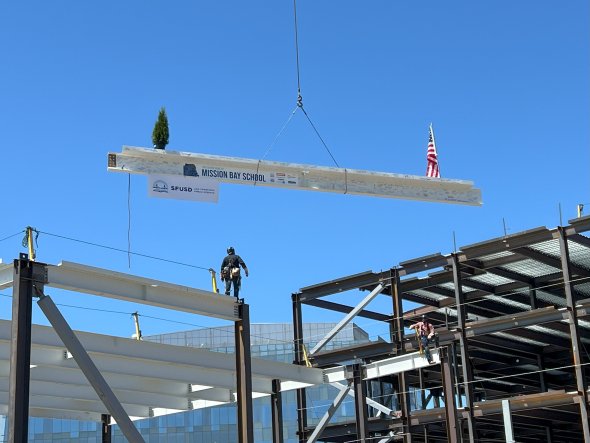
(89, 369)
(542, 378)
(466, 364)
(105, 423)
(455, 362)
(277, 411)
(244, 376)
(360, 403)
(24, 282)
(581, 383)
(508, 430)
(448, 381)
(398, 321)
(299, 360)
(422, 389)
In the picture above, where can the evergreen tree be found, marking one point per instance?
(160, 133)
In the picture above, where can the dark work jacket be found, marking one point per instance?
(233, 261)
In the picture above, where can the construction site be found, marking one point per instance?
(509, 362)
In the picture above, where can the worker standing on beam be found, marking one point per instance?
(425, 332)
(230, 271)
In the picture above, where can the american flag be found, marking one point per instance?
(431, 158)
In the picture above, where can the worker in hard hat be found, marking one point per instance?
(425, 332)
(230, 271)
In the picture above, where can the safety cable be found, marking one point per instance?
(318, 134)
(122, 250)
(129, 221)
(13, 235)
(300, 102)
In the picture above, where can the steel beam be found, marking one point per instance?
(117, 285)
(276, 404)
(581, 382)
(315, 435)
(87, 366)
(360, 406)
(299, 360)
(347, 319)
(105, 428)
(507, 416)
(466, 364)
(336, 286)
(370, 402)
(448, 380)
(337, 307)
(398, 332)
(244, 376)
(254, 172)
(27, 275)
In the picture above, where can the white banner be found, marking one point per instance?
(183, 188)
(240, 175)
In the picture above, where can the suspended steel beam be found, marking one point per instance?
(347, 319)
(293, 176)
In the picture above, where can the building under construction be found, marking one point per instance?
(510, 364)
(511, 315)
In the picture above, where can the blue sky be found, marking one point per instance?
(505, 84)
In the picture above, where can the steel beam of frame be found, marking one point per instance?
(398, 335)
(342, 323)
(337, 307)
(305, 177)
(91, 372)
(244, 376)
(395, 365)
(91, 280)
(551, 261)
(277, 412)
(105, 428)
(448, 381)
(466, 364)
(315, 435)
(336, 286)
(507, 416)
(27, 275)
(299, 360)
(360, 406)
(581, 383)
(507, 242)
(370, 402)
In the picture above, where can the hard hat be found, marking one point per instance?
(231, 250)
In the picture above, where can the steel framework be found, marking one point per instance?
(513, 327)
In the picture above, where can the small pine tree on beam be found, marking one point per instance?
(160, 133)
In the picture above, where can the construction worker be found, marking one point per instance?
(425, 332)
(230, 271)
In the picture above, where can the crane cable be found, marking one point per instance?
(299, 105)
